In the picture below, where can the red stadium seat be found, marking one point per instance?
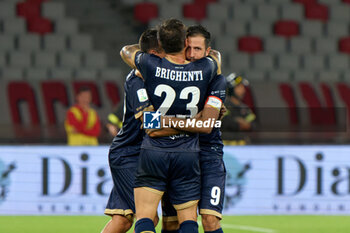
(195, 11)
(22, 91)
(287, 94)
(145, 11)
(346, 1)
(344, 93)
(52, 92)
(94, 91)
(41, 26)
(112, 91)
(286, 28)
(330, 117)
(250, 44)
(319, 115)
(316, 11)
(344, 45)
(28, 10)
(37, 1)
(205, 2)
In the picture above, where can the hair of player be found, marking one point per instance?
(172, 35)
(83, 89)
(148, 40)
(199, 30)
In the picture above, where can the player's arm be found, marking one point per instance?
(164, 132)
(216, 55)
(128, 53)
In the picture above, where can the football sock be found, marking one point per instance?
(144, 224)
(216, 231)
(189, 227)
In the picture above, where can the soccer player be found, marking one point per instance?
(170, 164)
(213, 173)
(125, 148)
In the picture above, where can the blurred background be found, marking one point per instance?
(295, 54)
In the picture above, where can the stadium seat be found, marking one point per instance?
(314, 62)
(70, 60)
(53, 91)
(41, 26)
(3, 60)
(61, 73)
(303, 75)
(94, 91)
(217, 12)
(194, 11)
(28, 9)
(53, 10)
(167, 10)
(292, 11)
(336, 29)
(250, 44)
(288, 95)
(344, 45)
(267, 13)
(86, 74)
(328, 76)
(260, 28)
(7, 42)
(66, 26)
(215, 27)
(7, 10)
(263, 62)
(288, 62)
(10, 73)
(243, 12)
(95, 59)
(80, 42)
(330, 2)
(312, 29)
(111, 74)
(29, 42)
(300, 45)
(346, 1)
(316, 12)
(326, 45)
(279, 75)
(236, 28)
(275, 45)
(225, 43)
(204, 1)
(145, 11)
(45, 59)
(286, 28)
(20, 59)
(36, 74)
(239, 61)
(340, 13)
(55, 42)
(255, 76)
(112, 91)
(305, 2)
(21, 91)
(338, 62)
(14, 26)
(344, 93)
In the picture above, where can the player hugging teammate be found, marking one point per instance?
(180, 164)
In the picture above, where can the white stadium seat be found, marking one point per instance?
(236, 28)
(337, 29)
(263, 61)
(304, 75)
(300, 45)
(239, 61)
(288, 61)
(217, 11)
(70, 60)
(7, 42)
(53, 10)
(80, 42)
(312, 29)
(7, 10)
(314, 62)
(338, 62)
(260, 28)
(15, 26)
(66, 26)
(29, 42)
(95, 59)
(330, 76)
(54, 42)
(20, 59)
(36, 74)
(326, 45)
(45, 59)
(292, 11)
(3, 60)
(279, 76)
(169, 10)
(61, 73)
(111, 74)
(12, 73)
(339, 13)
(275, 44)
(86, 74)
(243, 12)
(215, 27)
(225, 43)
(268, 13)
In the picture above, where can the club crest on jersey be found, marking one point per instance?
(151, 120)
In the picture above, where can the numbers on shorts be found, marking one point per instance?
(170, 96)
(215, 194)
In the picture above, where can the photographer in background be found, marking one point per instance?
(239, 117)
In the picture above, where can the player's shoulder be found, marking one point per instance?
(133, 80)
(145, 56)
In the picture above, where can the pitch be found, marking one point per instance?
(230, 224)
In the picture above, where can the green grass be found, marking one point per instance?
(231, 224)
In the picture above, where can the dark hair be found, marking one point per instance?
(83, 89)
(199, 30)
(148, 40)
(172, 35)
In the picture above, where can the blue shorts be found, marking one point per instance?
(213, 176)
(213, 183)
(177, 173)
(123, 170)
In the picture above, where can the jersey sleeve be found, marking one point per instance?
(138, 98)
(216, 92)
(141, 60)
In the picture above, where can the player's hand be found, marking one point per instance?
(223, 111)
(112, 129)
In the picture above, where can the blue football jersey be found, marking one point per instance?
(175, 90)
(129, 138)
(217, 88)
